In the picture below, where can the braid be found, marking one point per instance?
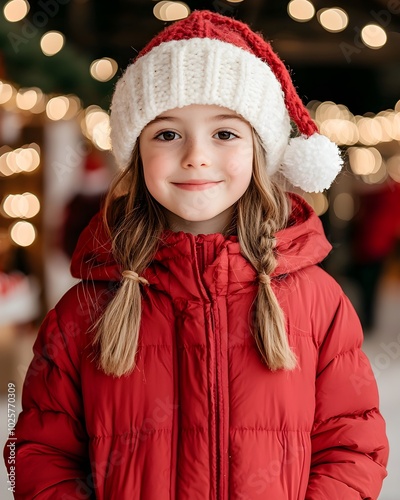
(261, 212)
(270, 331)
(266, 245)
(135, 227)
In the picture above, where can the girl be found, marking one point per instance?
(205, 354)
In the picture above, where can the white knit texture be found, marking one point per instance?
(199, 71)
(311, 163)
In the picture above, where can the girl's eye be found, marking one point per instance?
(225, 135)
(168, 135)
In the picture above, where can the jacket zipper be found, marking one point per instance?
(216, 384)
(217, 403)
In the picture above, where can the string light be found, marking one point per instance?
(364, 161)
(52, 42)
(329, 110)
(96, 126)
(343, 206)
(16, 10)
(103, 69)
(373, 36)
(24, 206)
(343, 132)
(4, 168)
(341, 126)
(23, 233)
(6, 92)
(333, 20)
(74, 107)
(394, 119)
(370, 131)
(171, 11)
(385, 127)
(11, 161)
(28, 99)
(40, 105)
(318, 201)
(34, 151)
(393, 167)
(57, 108)
(376, 177)
(301, 10)
(25, 159)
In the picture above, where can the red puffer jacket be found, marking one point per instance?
(201, 417)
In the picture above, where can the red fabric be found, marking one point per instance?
(201, 417)
(377, 224)
(206, 24)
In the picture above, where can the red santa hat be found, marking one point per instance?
(208, 58)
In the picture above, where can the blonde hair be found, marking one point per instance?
(135, 221)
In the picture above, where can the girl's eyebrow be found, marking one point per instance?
(213, 118)
(228, 117)
(162, 119)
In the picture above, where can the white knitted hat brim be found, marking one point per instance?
(199, 71)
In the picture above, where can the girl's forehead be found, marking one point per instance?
(201, 109)
(209, 112)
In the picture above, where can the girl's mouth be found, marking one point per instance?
(196, 185)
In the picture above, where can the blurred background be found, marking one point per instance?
(59, 61)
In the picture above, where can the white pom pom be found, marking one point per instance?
(311, 163)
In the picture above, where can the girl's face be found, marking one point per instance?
(197, 163)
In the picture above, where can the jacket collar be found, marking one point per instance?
(189, 265)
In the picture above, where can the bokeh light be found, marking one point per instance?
(96, 127)
(52, 42)
(23, 233)
(6, 92)
(25, 159)
(23, 206)
(364, 161)
(343, 206)
(28, 99)
(318, 201)
(333, 20)
(373, 36)
(103, 69)
(393, 167)
(301, 10)
(16, 10)
(171, 11)
(57, 108)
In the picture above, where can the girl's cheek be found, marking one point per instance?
(246, 150)
(241, 165)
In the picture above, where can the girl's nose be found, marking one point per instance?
(195, 154)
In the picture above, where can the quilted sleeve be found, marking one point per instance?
(349, 443)
(51, 445)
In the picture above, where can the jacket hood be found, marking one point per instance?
(301, 244)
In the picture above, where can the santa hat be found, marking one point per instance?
(208, 58)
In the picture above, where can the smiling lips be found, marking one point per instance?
(196, 185)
